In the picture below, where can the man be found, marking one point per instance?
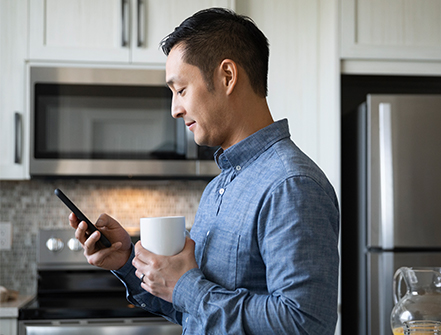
(262, 257)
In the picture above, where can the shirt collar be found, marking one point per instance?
(243, 153)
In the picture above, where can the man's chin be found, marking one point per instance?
(203, 143)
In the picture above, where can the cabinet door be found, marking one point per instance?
(107, 30)
(391, 29)
(13, 131)
(80, 30)
(8, 326)
(153, 20)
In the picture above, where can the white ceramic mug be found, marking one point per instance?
(163, 235)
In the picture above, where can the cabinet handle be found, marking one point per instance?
(140, 20)
(124, 22)
(18, 138)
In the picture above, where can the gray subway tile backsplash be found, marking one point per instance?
(32, 205)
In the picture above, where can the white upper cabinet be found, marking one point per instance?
(78, 30)
(156, 19)
(391, 29)
(127, 31)
(14, 119)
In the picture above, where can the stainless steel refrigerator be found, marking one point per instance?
(391, 202)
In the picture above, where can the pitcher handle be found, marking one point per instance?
(398, 278)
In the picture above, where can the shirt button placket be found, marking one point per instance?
(219, 202)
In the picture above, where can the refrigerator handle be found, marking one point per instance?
(386, 176)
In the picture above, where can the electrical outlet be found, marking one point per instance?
(5, 235)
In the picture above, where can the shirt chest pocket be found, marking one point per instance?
(219, 258)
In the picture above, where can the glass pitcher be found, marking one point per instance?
(422, 300)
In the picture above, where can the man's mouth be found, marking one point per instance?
(190, 125)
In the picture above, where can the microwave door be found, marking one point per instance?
(109, 123)
(404, 142)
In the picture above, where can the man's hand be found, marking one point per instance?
(111, 258)
(161, 273)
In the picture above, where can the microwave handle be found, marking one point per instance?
(192, 147)
(18, 152)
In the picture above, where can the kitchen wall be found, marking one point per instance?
(304, 69)
(32, 205)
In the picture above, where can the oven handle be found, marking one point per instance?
(99, 327)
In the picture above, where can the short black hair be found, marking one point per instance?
(212, 35)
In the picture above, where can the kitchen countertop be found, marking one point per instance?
(9, 309)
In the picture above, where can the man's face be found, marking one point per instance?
(203, 111)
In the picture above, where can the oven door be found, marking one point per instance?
(150, 326)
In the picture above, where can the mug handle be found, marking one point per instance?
(398, 278)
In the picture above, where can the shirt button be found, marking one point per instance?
(221, 191)
(142, 305)
(238, 168)
(208, 233)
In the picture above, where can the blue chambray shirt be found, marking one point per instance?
(266, 235)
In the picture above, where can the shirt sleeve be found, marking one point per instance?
(298, 239)
(136, 295)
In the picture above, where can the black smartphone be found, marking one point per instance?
(81, 216)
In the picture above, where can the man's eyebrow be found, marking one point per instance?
(170, 82)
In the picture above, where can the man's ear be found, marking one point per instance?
(229, 73)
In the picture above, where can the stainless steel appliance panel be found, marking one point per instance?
(100, 327)
(104, 122)
(381, 269)
(74, 297)
(404, 173)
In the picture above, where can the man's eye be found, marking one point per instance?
(181, 91)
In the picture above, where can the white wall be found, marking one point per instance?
(304, 74)
(304, 84)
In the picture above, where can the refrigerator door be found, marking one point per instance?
(381, 269)
(404, 171)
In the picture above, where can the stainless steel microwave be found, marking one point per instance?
(99, 122)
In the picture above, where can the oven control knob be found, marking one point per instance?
(54, 244)
(74, 244)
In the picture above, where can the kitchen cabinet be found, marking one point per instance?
(391, 30)
(13, 115)
(118, 31)
(9, 312)
(8, 326)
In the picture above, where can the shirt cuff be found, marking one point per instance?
(127, 270)
(189, 291)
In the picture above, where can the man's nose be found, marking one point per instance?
(177, 110)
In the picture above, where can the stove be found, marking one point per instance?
(74, 297)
